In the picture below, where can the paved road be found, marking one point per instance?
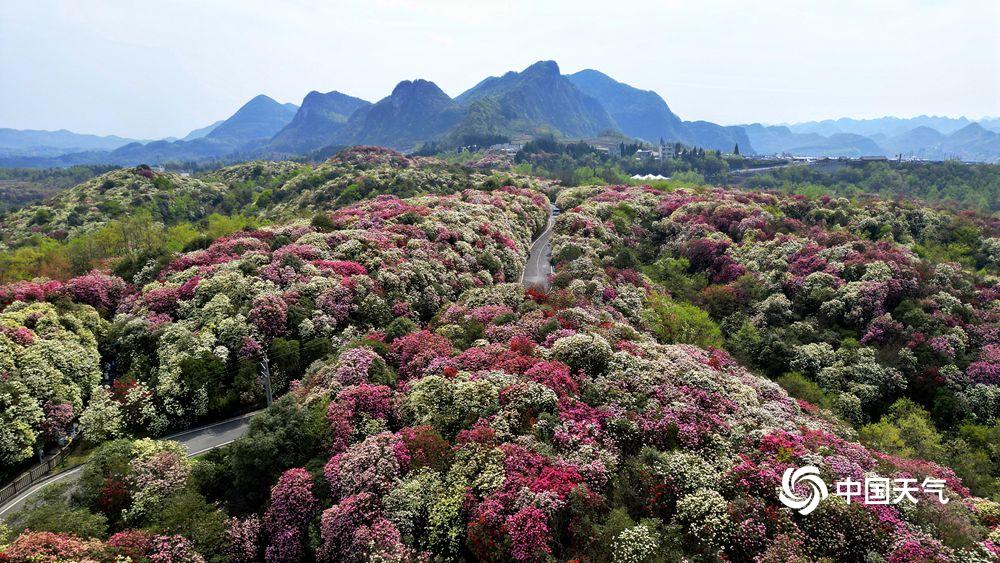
(196, 440)
(539, 265)
(745, 171)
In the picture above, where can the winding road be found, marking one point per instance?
(196, 440)
(536, 272)
(538, 268)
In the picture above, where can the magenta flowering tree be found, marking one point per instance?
(269, 313)
(58, 420)
(292, 507)
(96, 289)
(341, 522)
(370, 466)
(338, 302)
(243, 539)
(29, 291)
(143, 545)
(529, 535)
(418, 350)
(173, 549)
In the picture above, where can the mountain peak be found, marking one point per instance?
(591, 73)
(317, 122)
(417, 87)
(416, 111)
(331, 98)
(543, 67)
(312, 96)
(638, 113)
(261, 99)
(259, 118)
(538, 98)
(972, 128)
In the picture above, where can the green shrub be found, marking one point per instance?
(678, 322)
(801, 387)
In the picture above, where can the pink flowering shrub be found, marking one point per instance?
(529, 535)
(243, 536)
(134, 544)
(269, 314)
(143, 545)
(98, 290)
(292, 506)
(51, 548)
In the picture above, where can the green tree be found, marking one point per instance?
(907, 431)
(286, 435)
(679, 322)
(188, 514)
(801, 387)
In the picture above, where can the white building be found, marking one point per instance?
(666, 150)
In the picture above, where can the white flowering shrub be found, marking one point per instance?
(704, 514)
(634, 545)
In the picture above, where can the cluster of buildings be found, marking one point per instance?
(507, 148)
(663, 151)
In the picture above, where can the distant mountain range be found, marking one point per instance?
(517, 105)
(201, 132)
(931, 138)
(31, 143)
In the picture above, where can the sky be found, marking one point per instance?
(155, 68)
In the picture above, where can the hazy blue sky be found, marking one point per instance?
(157, 68)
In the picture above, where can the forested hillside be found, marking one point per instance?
(694, 344)
(127, 218)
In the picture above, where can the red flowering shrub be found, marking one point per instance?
(417, 350)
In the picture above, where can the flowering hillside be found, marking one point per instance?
(816, 286)
(852, 305)
(273, 190)
(186, 345)
(434, 409)
(128, 218)
(49, 367)
(360, 173)
(198, 329)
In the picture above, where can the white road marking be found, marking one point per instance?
(39, 486)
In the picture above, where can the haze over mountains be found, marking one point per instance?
(931, 138)
(515, 106)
